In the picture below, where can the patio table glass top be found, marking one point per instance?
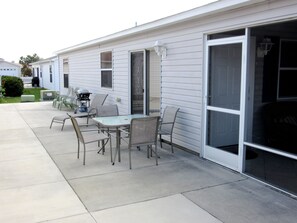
(117, 121)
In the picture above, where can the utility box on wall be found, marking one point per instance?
(46, 95)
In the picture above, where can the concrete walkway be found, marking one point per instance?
(41, 180)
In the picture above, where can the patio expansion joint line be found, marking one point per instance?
(216, 185)
(125, 170)
(137, 202)
(201, 207)
(69, 216)
(31, 185)
(54, 162)
(213, 186)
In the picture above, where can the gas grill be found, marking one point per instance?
(83, 100)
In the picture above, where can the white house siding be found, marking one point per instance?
(9, 69)
(55, 70)
(43, 66)
(182, 70)
(45, 81)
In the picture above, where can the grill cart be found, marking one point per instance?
(83, 100)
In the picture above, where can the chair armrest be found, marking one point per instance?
(92, 109)
(124, 131)
(127, 134)
(164, 123)
(90, 130)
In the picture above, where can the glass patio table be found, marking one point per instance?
(116, 122)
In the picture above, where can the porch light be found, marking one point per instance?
(160, 49)
(264, 47)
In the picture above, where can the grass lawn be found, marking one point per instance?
(32, 91)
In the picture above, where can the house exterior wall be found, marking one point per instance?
(44, 70)
(45, 79)
(9, 69)
(56, 73)
(181, 72)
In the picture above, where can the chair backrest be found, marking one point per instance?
(68, 92)
(168, 119)
(144, 131)
(74, 91)
(97, 100)
(107, 110)
(76, 129)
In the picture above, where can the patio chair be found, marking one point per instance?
(144, 132)
(88, 136)
(98, 99)
(106, 111)
(59, 99)
(167, 123)
(69, 101)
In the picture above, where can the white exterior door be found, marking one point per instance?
(138, 78)
(223, 125)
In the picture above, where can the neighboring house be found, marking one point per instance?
(9, 69)
(221, 64)
(48, 72)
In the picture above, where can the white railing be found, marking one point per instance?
(27, 80)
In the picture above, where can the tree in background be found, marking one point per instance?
(25, 61)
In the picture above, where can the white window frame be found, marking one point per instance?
(108, 69)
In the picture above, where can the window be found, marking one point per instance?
(106, 69)
(51, 73)
(106, 78)
(287, 70)
(66, 73)
(66, 81)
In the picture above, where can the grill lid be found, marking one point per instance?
(82, 91)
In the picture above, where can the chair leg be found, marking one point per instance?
(60, 105)
(130, 157)
(160, 136)
(54, 103)
(51, 123)
(103, 147)
(156, 154)
(148, 151)
(110, 149)
(63, 125)
(84, 162)
(78, 148)
(171, 144)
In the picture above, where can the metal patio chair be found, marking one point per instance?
(98, 99)
(88, 136)
(144, 132)
(107, 111)
(167, 123)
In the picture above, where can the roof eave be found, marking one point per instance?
(195, 13)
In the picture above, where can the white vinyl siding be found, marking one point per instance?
(181, 71)
(9, 69)
(44, 66)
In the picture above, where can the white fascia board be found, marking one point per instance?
(206, 10)
(13, 64)
(47, 60)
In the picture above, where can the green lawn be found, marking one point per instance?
(34, 91)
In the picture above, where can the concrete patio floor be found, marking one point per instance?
(41, 180)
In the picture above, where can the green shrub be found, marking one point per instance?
(13, 86)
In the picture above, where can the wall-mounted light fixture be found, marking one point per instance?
(264, 47)
(160, 49)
